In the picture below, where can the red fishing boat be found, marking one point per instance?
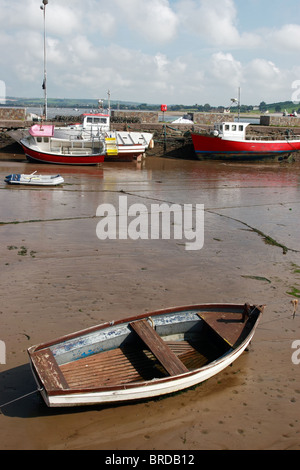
(228, 140)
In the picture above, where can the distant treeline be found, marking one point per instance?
(289, 106)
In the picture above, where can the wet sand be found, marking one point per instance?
(58, 277)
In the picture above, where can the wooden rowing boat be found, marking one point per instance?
(144, 356)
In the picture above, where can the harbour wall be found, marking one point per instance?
(12, 114)
(153, 117)
(282, 121)
(11, 117)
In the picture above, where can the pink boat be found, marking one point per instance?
(41, 146)
(228, 140)
(88, 143)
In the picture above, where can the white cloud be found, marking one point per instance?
(262, 70)
(82, 50)
(102, 22)
(62, 21)
(266, 80)
(215, 22)
(161, 63)
(286, 38)
(154, 21)
(152, 51)
(225, 69)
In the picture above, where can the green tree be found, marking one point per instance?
(263, 106)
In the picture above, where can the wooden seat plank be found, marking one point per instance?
(228, 325)
(49, 371)
(171, 363)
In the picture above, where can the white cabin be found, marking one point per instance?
(230, 130)
(93, 125)
(96, 122)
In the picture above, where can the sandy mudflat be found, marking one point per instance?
(58, 277)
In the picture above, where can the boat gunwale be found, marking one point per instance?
(250, 139)
(107, 324)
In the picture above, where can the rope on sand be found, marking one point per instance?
(20, 398)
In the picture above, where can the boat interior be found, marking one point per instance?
(140, 351)
(138, 363)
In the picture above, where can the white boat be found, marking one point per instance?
(142, 357)
(89, 143)
(34, 179)
(186, 119)
(119, 145)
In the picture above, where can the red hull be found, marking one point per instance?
(43, 157)
(215, 147)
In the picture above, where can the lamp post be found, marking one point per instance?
(108, 101)
(44, 86)
(238, 101)
(164, 108)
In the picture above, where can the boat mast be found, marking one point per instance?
(44, 86)
(238, 101)
(108, 96)
(239, 104)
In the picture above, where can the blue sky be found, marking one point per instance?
(153, 51)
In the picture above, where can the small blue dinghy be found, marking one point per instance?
(34, 179)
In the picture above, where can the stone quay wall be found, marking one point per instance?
(282, 121)
(134, 116)
(209, 119)
(12, 114)
(17, 117)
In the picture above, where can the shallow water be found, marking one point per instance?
(264, 195)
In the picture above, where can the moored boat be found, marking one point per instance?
(228, 140)
(43, 147)
(88, 143)
(142, 357)
(119, 145)
(83, 144)
(33, 179)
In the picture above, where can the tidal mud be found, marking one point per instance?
(58, 277)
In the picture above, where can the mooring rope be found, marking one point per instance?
(20, 398)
